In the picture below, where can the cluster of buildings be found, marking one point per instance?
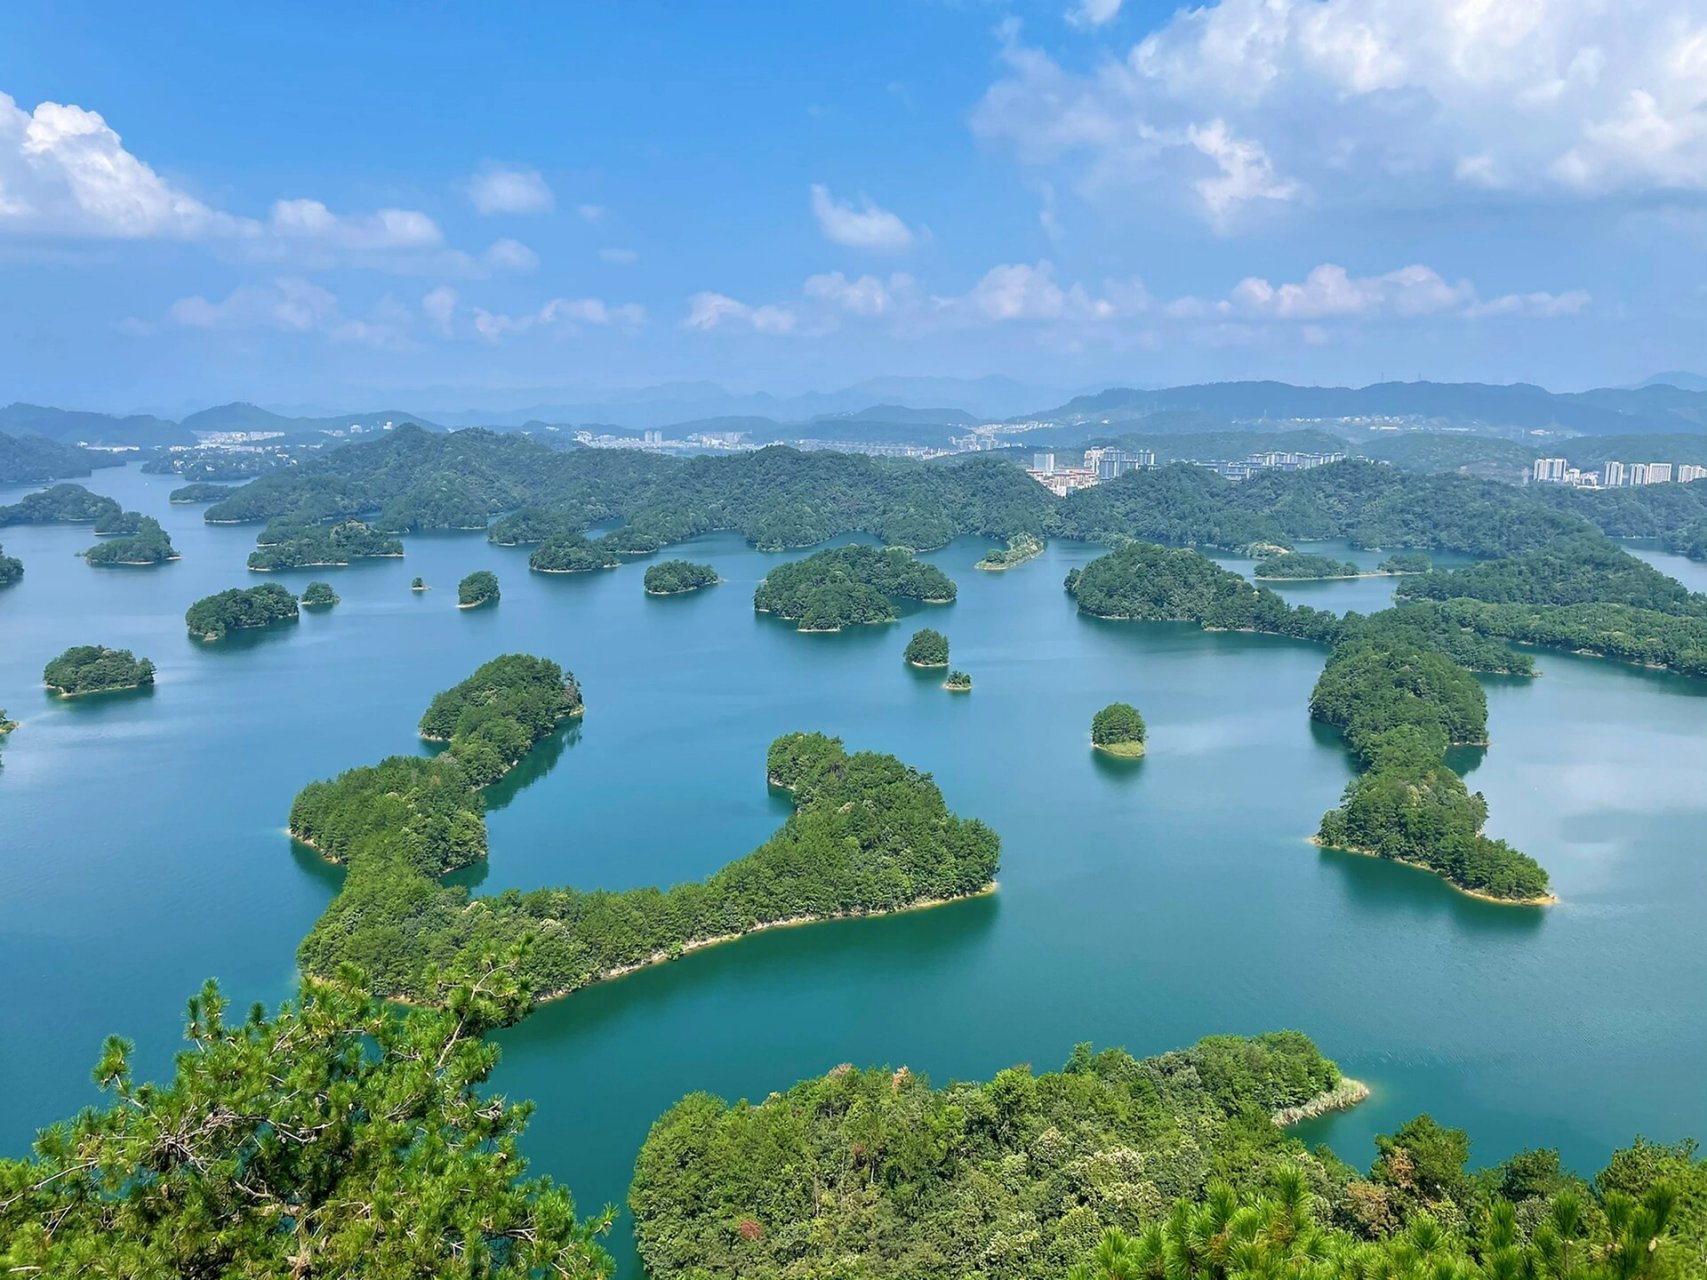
(1100, 464)
(1615, 475)
(1275, 460)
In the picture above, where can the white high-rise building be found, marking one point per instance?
(1612, 475)
(1550, 470)
(1638, 472)
(1659, 473)
(1688, 473)
(1043, 464)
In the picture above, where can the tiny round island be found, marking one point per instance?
(958, 682)
(927, 648)
(1119, 730)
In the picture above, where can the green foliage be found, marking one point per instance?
(868, 835)
(1118, 722)
(849, 585)
(571, 553)
(1021, 547)
(417, 584)
(1303, 565)
(212, 616)
(958, 681)
(119, 523)
(494, 717)
(32, 460)
(319, 595)
(1640, 511)
(1617, 631)
(339, 1137)
(1437, 452)
(1428, 625)
(90, 668)
(1582, 570)
(149, 544)
(1368, 688)
(288, 544)
(478, 588)
(199, 492)
(61, 504)
(209, 463)
(873, 1173)
(1689, 539)
(1181, 504)
(927, 648)
(671, 577)
(11, 569)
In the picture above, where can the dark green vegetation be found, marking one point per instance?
(92, 668)
(32, 460)
(1581, 570)
(572, 553)
(11, 569)
(848, 585)
(1661, 511)
(868, 835)
(873, 1173)
(1021, 547)
(209, 464)
(199, 492)
(212, 616)
(119, 523)
(1119, 730)
(958, 682)
(1407, 562)
(1642, 636)
(418, 584)
(319, 595)
(1302, 565)
(671, 577)
(339, 1137)
(927, 648)
(492, 718)
(290, 544)
(478, 588)
(62, 504)
(1434, 453)
(146, 544)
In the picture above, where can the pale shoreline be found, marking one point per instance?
(1121, 750)
(1546, 900)
(1342, 1097)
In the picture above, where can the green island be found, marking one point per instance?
(318, 595)
(1302, 566)
(211, 617)
(1403, 562)
(6, 726)
(868, 835)
(119, 523)
(1119, 730)
(201, 491)
(419, 584)
(927, 648)
(958, 682)
(93, 668)
(478, 588)
(289, 544)
(1174, 1167)
(1021, 547)
(846, 586)
(572, 553)
(33, 460)
(673, 577)
(60, 504)
(11, 569)
(148, 544)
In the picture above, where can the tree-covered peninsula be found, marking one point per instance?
(478, 588)
(61, 504)
(318, 595)
(212, 616)
(149, 544)
(1401, 562)
(1119, 730)
(572, 553)
(289, 544)
(338, 1136)
(849, 585)
(868, 835)
(927, 648)
(33, 460)
(93, 668)
(1021, 547)
(673, 577)
(1174, 1167)
(202, 491)
(1302, 566)
(11, 569)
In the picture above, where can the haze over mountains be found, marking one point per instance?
(930, 410)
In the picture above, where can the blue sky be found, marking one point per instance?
(456, 203)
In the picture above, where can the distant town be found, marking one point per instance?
(1615, 475)
(1109, 463)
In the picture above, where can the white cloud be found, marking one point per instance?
(571, 314)
(867, 296)
(619, 257)
(1018, 291)
(1380, 100)
(1093, 13)
(708, 311)
(291, 304)
(1543, 306)
(864, 227)
(311, 222)
(511, 255)
(496, 188)
(591, 212)
(1329, 292)
(439, 306)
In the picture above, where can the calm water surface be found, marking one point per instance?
(1141, 904)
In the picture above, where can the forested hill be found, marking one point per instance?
(31, 459)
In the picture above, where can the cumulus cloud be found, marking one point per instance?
(1243, 101)
(496, 188)
(439, 306)
(866, 296)
(511, 255)
(708, 311)
(571, 314)
(1019, 291)
(1093, 13)
(291, 304)
(865, 226)
(311, 222)
(1329, 292)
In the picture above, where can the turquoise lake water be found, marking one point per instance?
(1141, 904)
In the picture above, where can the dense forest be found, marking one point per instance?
(867, 835)
(1302, 565)
(33, 460)
(478, 588)
(199, 492)
(849, 585)
(61, 504)
(92, 668)
(672, 577)
(927, 648)
(1114, 1168)
(1587, 569)
(318, 595)
(291, 544)
(1119, 730)
(11, 568)
(146, 544)
(212, 616)
(1021, 547)
(572, 553)
(210, 463)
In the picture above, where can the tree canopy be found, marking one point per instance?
(292, 544)
(319, 595)
(927, 648)
(478, 588)
(213, 616)
(1118, 725)
(91, 668)
(848, 585)
(671, 577)
(147, 544)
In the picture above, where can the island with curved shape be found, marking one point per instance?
(478, 588)
(318, 595)
(1302, 566)
(198, 492)
(958, 682)
(93, 668)
(847, 586)
(11, 569)
(675, 577)
(1021, 547)
(293, 545)
(211, 617)
(59, 504)
(148, 545)
(572, 553)
(1119, 730)
(1406, 562)
(927, 648)
(492, 719)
